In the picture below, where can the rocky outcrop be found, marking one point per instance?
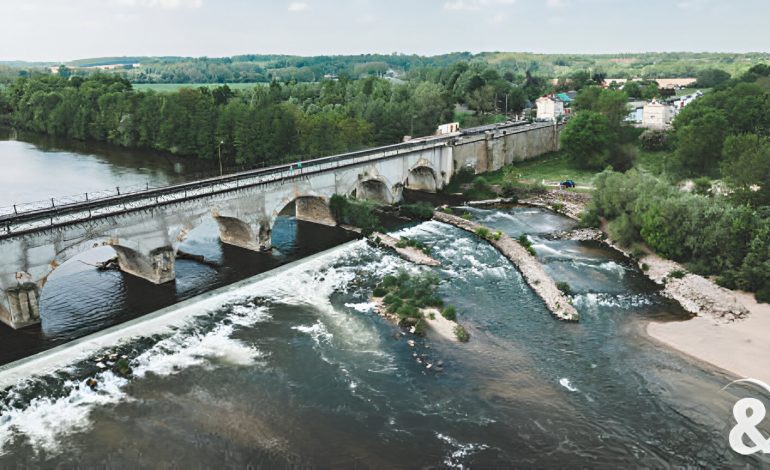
(530, 268)
(568, 203)
(409, 253)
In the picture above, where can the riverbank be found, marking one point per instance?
(728, 328)
(531, 270)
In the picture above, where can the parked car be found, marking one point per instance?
(567, 184)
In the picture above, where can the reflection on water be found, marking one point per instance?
(286, 372)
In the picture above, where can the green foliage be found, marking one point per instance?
(677, 274)
(746, 167)
(421, 210)
(356, 212)
(449, 312)
(654, 140)
(702, 186)
(645, 267)
(467, 215)
(587, 138)
(462, 334)
(483, 232)
(405, 242)
(710, 78)
(380, 291)
(711, 234)
(564, 287)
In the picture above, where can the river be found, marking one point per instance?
(294, 368)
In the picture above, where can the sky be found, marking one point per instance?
(62, 30)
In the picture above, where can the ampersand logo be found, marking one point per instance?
(748, 413)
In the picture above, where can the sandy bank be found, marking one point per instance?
(740, 347)
(530, 268)
(439, 325)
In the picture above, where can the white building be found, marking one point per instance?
(549, 107)
(657, 115)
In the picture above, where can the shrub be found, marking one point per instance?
(390, 299)
(677, 274)
(558, 207)
(420, 328)
(380, 291)
(645, 267)
(564, 287)
(448, 210)
(389, 281)
(482, 232)
(763, 295)
(462, 334)
(531, 251)
(497, 236)
(654, 140)
(467, 215)
(480, 184)
(524, 241)
(422, 210)
(702, 186)
(408, 311)
(449, 312)
(590, 219)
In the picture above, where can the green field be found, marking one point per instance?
(551, 167)
(172, 87)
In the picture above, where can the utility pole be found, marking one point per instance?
(220, 157)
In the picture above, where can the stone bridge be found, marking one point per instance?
(145, 228)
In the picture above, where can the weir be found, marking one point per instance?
(146, 228)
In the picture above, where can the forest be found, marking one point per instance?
(263, 124)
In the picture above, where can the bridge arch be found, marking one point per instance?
(422, 177)
(375, 189)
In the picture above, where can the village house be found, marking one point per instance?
(657, 115)
(550, 107)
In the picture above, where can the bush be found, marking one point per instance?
(497, 236)
(482, 232)
(420, 328)
(763, 295)
(462, 334)
(558, 207)
(449, 312)
(564, 287)
(589, 218)
(467, 215)
(702, 186)
(448, 210)
(480, 184)
(645, 267)
(677, 274)
(654, 140)
(391, 299)
(408, 311)
(422, 210)
(380, 291)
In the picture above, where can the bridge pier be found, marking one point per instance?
(254, 237)
(156, 267)
(20, 306)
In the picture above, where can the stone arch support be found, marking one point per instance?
(236, 232)
(375, 189)
(422, 178)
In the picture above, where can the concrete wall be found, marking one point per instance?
(494, 149)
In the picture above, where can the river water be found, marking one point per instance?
(294, 369)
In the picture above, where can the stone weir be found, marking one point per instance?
(534, 274)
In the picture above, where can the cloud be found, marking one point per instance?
(474, 5)
(296, 7)
(555, 4)
(162, 4)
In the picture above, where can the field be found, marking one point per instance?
(172, 87)
(551, 167)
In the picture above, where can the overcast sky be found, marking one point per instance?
(60, 30)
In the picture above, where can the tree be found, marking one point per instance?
(710, 78)
(746, 168)
(699, 143)
(587, 138)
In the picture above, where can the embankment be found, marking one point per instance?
(528, 265)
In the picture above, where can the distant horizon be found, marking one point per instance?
(51, 31)
(183, 56)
